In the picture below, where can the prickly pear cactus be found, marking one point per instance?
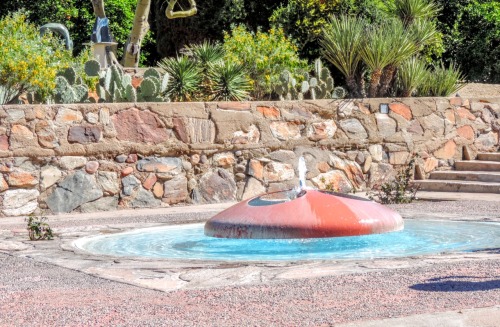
(69, 74)
(151, 72)
(92, 68)
(130, 93)
(116, 86)
(148, 87)
(66, 92)
(318, 86)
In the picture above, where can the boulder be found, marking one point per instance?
(73, 191)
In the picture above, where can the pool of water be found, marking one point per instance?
(188, 242)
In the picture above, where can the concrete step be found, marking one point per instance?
(458, 186)
(477, 165)
(476, 176)
(492, 156)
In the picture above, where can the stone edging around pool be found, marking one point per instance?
(170, 275)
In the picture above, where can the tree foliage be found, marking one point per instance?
(78, 17)
(472, 37)
(303, 20)
(213, 18)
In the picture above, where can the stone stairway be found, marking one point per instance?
(471, 176)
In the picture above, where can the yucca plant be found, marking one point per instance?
(408, 11)
(423, 32)
(418, 31)
(442, 82)
(411, 75)
(341, 41)
(380, 49)
(229, 82)
(403, 47)
(185, 78)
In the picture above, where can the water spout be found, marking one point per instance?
(302, 174)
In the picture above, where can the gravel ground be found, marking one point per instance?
(480, 90)
(36, 294)
(33, 293)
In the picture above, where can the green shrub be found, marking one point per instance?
(264, 55)
(398, 190)
(28, 62)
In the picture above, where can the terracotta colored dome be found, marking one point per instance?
(312, 214)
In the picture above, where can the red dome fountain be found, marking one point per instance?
(312, 214)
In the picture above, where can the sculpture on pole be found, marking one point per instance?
(141, 26)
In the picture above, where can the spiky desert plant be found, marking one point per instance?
(409, 11)
(411, 75)
(423, 32)
(185, 78)
(418, 31)
(442, 81)
(380, 49)
(341, 42)
(229, 82)
(7, 94)
(404, 47)
(206, 53)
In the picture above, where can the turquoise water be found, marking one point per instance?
(188, 242)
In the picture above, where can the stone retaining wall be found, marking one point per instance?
(88, 157)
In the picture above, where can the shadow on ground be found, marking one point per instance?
(457, 284)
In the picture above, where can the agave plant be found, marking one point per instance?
(206, 53)
(185, 78)
(7, 94)
(412, 75)
(229, 82)
(341, 41)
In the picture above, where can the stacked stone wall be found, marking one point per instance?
(91, 157)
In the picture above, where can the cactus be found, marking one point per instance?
(130, 93)
(151, 72)
(69, 74)
(69, 88)
(287, 89)
(92, 68)
(116, 86)
(323, 85)
(320, 86)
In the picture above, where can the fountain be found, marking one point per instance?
(303, 213)
(298, 224)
